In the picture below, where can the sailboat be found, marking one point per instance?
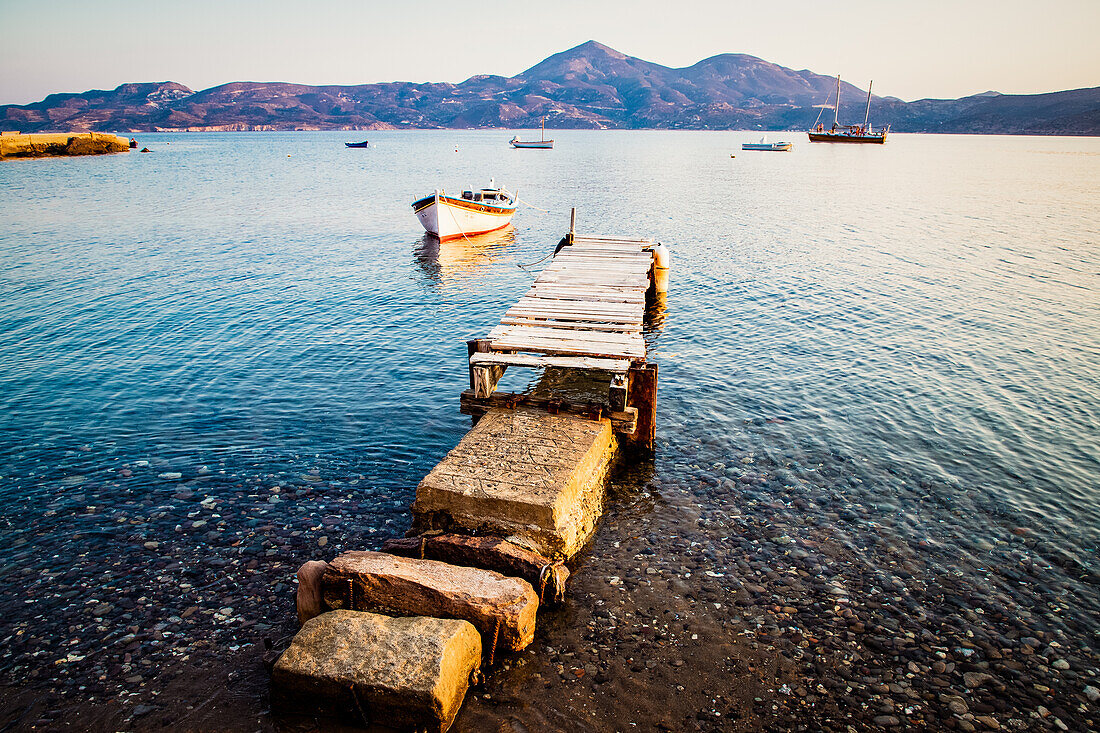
(839, 133)
(543, 143)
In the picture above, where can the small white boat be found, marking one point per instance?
(544, 144)
(765, 145)
(475, 212)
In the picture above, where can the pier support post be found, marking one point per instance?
(483, 379)
(617, 394)
(641, 394)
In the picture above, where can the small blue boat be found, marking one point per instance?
(363, 144)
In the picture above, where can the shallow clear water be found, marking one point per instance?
(911, 330)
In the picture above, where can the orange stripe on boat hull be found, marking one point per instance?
(460, 235)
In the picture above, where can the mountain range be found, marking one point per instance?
(590, 86)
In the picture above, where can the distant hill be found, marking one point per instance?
(589, 86)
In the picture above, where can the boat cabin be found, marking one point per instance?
(486, 194)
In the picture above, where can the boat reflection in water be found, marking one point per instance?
(457, 259)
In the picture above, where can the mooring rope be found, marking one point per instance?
(525, 203)
(532, 264)
(493, 647)
(544, 575)
(455, 220)
(362, 713)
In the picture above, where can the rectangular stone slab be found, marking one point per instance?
(405, 673)
(490, 553)
(503, 609)
(522, 474)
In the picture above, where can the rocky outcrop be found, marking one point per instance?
(408, 673)
(503, 609)
(45, 145)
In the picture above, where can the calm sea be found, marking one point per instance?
(911, 330)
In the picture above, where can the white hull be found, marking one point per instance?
(449, 218)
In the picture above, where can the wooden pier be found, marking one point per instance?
(495, 521)
(583, 312)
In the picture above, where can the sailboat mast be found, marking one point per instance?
(836, 109)
(867, 112)
(544, 129)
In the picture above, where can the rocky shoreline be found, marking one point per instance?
(45, 145)
(731, 598)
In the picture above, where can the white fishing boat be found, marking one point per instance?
(765, 145)
(544, 144)
(474, 212)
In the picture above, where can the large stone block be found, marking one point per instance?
(503, 609)
(404, 673)
(522, 474)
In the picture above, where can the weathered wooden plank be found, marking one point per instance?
(605, 248)
(595, 277)
(558, 344)
(580, 314)
(597, 322)
(578, 348)
(566, 292)
(559, 291)
(489, 553)
(611, 272)
(536, 300)
(604, 253)
(632, 261)
(631, 240)
(540, 301)
(624, 250)
(562, 362)
(604, 262)
(572, 335)
(620, 282)
(579, 325)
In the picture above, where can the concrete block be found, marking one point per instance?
(522, 473)
(404, 673)
(503, 609)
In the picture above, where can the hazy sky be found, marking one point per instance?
(912, 49)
